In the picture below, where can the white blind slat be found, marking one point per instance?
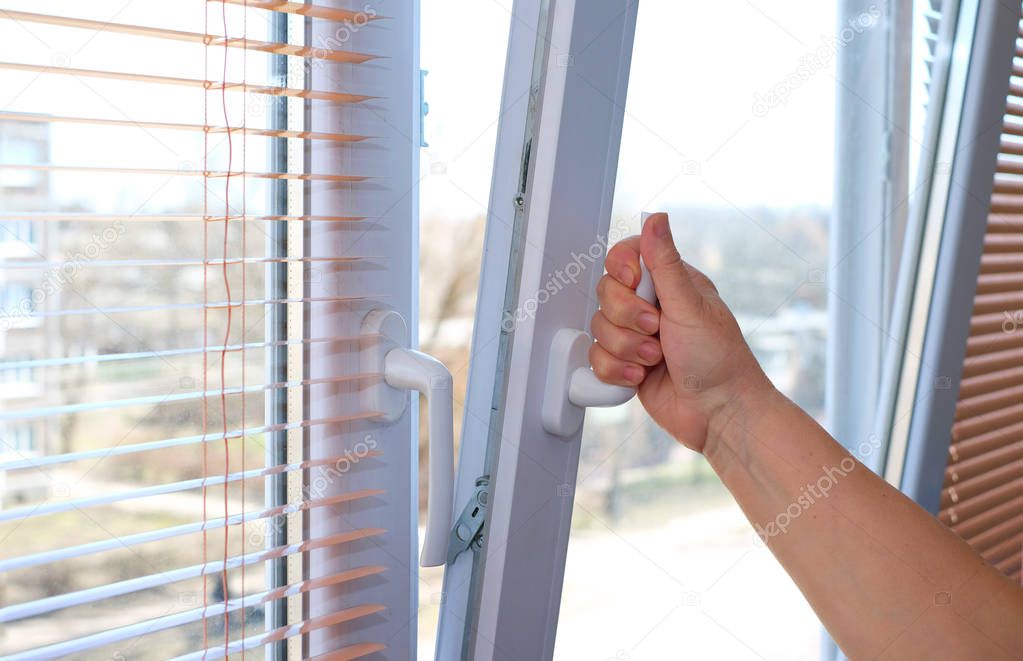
(28, 462)
(137, 539)
(42, 509)
(121, 588)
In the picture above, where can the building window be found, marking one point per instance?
(18, 231)
(18, 437)
(21, 150)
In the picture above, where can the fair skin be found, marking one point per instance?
(884, 576)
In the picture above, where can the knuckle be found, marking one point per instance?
(618, 299)
(600, 365)
(622, 253)
(617, 251)
(610, 259)
(618, 344)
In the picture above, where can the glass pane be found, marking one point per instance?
(456, 167)
(729, 128)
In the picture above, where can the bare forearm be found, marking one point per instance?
(885, 577)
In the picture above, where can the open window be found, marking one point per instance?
(208, 279)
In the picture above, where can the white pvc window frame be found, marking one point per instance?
(390, 234)
(565, 88)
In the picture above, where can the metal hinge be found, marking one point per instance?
(467, 533)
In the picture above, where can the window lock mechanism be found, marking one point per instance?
(467, 532)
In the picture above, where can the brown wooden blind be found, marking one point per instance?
(982, 497)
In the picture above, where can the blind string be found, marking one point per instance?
(227, 329)
(245, 61)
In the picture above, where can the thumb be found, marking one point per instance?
(675, 290)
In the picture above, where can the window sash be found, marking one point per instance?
(503, 601)
(938, 284)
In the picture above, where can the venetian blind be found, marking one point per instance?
(158, 163)
(982, 497)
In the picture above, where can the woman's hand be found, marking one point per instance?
(689, 358)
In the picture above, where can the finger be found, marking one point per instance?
(624, 308)
(625, 344)
(613, 370)
(622, 261)
(675, 290)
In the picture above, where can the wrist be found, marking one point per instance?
(731, 423)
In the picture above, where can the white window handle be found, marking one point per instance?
(571, 384)
(406, 369)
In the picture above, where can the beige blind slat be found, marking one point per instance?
(165, 172)
(1007, 203)
(1012, 127)
(1000, 302)
(981, 463)
(981, 512)
(159, 218)
(999, 282)
(987, 382)
(174, 126)
(988, 422)
(1001, 552)
(1012, 147)
(269, 90)
(993, 342)
(970, 497)
(191, 37)
(305, 9)
(988, 402)
(1004, 263)
(1005, 530)
(992, 362)
(989, 518)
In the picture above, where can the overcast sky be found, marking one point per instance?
(697, 70)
